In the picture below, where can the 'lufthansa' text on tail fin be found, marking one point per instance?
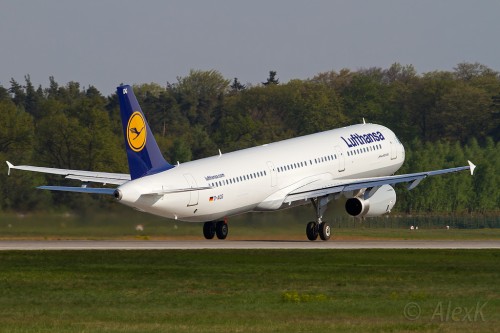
(144, 155)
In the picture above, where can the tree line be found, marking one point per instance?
(443, 118)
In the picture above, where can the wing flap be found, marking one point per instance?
(326, 187)
(96, 179)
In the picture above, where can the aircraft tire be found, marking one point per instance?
(209, 230)
(324, 231)
(221, 229)
(312, 231)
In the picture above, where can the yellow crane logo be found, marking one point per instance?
(136, 132)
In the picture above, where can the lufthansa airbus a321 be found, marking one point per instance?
(353, 167)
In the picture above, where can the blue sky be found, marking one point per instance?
(104, 43)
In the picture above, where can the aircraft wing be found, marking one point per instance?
(325, 187)
(84, 176)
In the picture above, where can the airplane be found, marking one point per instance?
(353, 167)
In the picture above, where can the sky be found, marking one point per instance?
(104, 43)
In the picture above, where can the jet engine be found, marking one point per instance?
(374, 202)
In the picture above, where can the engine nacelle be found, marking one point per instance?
(372, 204)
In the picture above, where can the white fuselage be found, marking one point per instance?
(260, 178)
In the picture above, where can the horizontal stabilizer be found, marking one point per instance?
(108, 191)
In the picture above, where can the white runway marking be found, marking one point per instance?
(251, 244)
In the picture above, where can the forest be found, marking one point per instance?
(443, 118)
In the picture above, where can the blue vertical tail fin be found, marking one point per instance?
(143, 154)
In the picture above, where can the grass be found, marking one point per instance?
(250, 291)
(285, 225)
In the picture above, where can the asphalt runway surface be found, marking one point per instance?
(239, 244)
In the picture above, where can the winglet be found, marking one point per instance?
(10, 165)
(472, 167)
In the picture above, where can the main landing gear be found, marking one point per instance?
(322, 229)
(219, 228)
(319, 228)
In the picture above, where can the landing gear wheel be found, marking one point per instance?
(209, 230)
(312, 231)
(324, 231)
(222, 229)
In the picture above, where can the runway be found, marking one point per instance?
(234, 245)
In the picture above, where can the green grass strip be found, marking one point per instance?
(250, 291)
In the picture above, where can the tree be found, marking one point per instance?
(33, 98)
(399, 104)
(16, 136)
(463, 112)
(426, 94)
(467, 72)
(311, 108)
(17, 92)
(399, 73)
(365, 95)
(179, 152)
(271, 80)
(443, 118)
(199, 93)
(237, 86)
